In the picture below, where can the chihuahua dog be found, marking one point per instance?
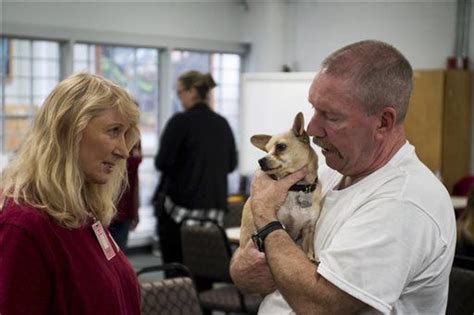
(288, 152)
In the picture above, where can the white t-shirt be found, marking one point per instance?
(388, 240)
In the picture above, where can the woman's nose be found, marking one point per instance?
(122, 150)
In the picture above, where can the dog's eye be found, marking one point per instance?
(280, 147)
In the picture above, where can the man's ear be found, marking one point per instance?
(387, 119)
(298, 124)
(260, 141)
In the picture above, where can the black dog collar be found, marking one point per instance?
(306, 188)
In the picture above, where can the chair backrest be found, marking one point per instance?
(206, 249)
(169, 296)
(461, 292)
(462, 186)
(233, 216)
(464, 262)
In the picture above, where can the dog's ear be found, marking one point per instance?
(298, 125)
(260, 141)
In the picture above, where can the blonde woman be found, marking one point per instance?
(57, 198)
(465, 242)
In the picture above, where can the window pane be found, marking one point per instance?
(38, 101)
(230, 61)
(18, 87)
(231, 77)
(32, 61)
(15, 131)
(42, 87)
(21, 48)
(15, 105)
(46, 68)
(21, 66)
(147, 56)
(45, 49)
(80, 52)
(117, 64)
(80, 66)
(230, 91)
(148, 180)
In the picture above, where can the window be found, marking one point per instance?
(135, 69)
(225, 68)
(30, 70)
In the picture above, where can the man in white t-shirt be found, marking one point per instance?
(386, 235)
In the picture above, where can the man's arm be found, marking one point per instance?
(250, 272)
(300, 284)
(294, 275)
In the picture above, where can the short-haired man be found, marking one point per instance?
(386, 235)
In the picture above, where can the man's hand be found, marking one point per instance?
(250, 272)
(267, 195)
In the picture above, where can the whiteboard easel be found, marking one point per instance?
(270, 101)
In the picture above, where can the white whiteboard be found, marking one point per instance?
(270, 101)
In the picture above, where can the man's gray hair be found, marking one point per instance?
(380, 75)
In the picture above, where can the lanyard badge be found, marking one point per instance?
(103, 241)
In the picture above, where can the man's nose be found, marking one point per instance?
(315, 127)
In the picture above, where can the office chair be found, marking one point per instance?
(169, 296)
(207, 253)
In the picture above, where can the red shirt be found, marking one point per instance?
(127, 207)
(48, 269)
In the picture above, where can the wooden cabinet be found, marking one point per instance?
(438, 122)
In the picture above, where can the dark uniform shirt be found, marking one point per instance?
(197, 151)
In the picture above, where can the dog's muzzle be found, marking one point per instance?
(263, 164)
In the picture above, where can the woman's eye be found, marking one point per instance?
(115, 131)
(280, 147)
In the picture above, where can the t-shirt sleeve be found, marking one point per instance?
(380, 249)
(25, 287)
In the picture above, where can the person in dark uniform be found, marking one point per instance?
(196, 153)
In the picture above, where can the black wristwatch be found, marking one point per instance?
(258, 237)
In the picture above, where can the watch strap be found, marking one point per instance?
(258, 237)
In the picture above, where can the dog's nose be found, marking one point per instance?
(263, 164)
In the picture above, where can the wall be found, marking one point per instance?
(424, 31)
(203, 20)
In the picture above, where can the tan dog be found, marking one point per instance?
(288, 152)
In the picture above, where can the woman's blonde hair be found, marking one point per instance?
(45, 172)
(466, 222)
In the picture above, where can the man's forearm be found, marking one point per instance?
(295, 276)
(300, 284)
